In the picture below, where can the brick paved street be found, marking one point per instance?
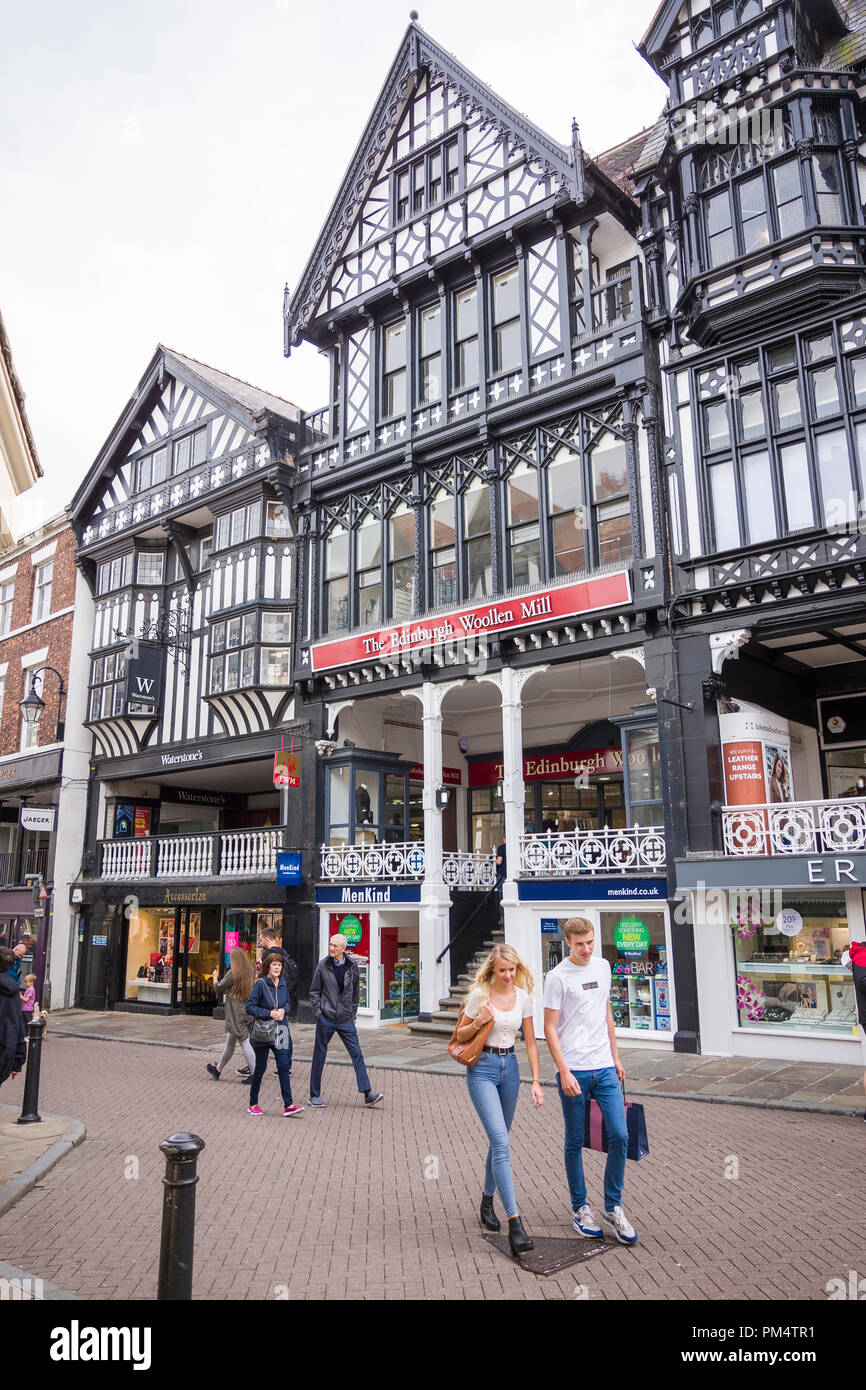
(269, 1223)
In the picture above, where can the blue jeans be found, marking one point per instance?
(283, 1057)
(604, 1088)
(325, 1030)
(493, 1084)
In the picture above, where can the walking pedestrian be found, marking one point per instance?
(236, 986)
(855, 959)
(580, 1032)
(268, 941)
(24, 946)
(269, 999)
(334, 996)
(502, 991)
(28, 998)
(13, 1047)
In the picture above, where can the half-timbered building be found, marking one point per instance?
(185, 537)
(480, 533)
(752, 189)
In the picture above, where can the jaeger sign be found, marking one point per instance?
(497, 615)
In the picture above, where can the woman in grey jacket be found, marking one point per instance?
(236, 985)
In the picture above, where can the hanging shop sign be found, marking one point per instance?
(605, 591)
(38, 818)
(289, 867)
(287, 769)
(631, 937)
(144, 679)
(842, 720)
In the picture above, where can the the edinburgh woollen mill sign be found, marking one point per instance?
(500, 615)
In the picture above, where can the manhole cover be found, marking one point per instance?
(552, 1254)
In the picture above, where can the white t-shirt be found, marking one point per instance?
(580, 993)
(506, 1026)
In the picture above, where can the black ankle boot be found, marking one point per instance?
(517, 1237)
(489, 1219)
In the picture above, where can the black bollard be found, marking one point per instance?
(178, 1217)
(30, 1113)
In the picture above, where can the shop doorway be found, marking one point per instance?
(196, 958)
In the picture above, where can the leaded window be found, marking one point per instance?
(189, 451)
(153, 469)
(114, 574)
(783, 436)
(394, 400)
(107, 686)
(466, 338)
(506, 320)
(242, 524)
(426, 181)
(752, 193)
(150, 567)
(233, 654)
(369, 561)
(567, 501)
(430, 374)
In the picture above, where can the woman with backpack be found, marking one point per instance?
(236, 985)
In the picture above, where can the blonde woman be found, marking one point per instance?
(501, 992)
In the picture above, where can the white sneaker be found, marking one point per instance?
(585, 1223)
(624, 1232)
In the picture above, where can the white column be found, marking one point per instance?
(518, 923)
(435, 912)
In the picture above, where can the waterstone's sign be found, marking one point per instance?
(500, 615)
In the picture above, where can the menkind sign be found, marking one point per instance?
(603, 591)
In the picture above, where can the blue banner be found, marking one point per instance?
(289, 866)
(369, 894)
(589, 890)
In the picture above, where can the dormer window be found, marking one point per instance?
(153, 469)
(714, 22)
(424, 182)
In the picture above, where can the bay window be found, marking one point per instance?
(430, 375)
(401, 560)
(337, 580)
(394, 402)
(443, 544)
(476, 535)
(466, 338)
(506, 321)
(783, 454)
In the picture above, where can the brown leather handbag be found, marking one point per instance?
(468, 1052)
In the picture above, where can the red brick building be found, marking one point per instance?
(40, 840)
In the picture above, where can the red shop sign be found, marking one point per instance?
(551, 767)
(497, 615)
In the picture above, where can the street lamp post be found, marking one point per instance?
(32, 705)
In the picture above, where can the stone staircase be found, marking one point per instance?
(442, 1024)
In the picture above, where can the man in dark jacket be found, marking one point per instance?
(334, 997)
(13, 1049)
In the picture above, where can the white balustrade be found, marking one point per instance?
(126, 859)
(242, 854)
(374, 863)
(795, 827)
(636, 849)
(185, 856)
(462, 869)
(249, 853)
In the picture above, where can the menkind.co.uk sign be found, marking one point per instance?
(498, 615)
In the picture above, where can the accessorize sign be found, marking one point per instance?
(497, 615)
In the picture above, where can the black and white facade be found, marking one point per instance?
(186, 539)
(480, 548)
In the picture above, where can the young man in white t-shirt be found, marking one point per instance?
(579, 1028)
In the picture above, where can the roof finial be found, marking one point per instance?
(413, 15)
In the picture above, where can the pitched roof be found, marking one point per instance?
(417, 51)
(621, 160)
(850, 50)
(252, 398)
(655, 143)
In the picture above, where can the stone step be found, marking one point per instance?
(453, 1001)
(441, 1030)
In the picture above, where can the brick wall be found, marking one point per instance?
(55, 633)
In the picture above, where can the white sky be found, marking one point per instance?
(166, 166)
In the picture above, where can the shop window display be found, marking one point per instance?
(787, 950)
(149, 956)
(634, 945)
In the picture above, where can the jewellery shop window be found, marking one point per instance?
(635, 947)
(789, 976)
